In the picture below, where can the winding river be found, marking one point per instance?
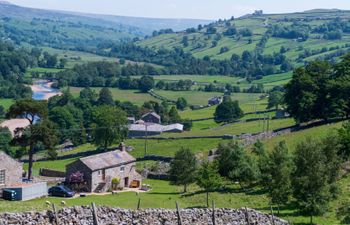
(42, 90)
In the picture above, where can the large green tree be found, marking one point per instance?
(275, 100)
(105, 97)
(280, 169)
(208, 178)
(109, 126)
(183, 168)
(310, 179)
(146, 83)
(31, 110)
(228, 111)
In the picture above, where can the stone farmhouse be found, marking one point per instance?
(10, 171)
(150, 125)
(99, 170)
(151, 117)
(215, 101)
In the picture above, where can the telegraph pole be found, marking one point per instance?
(146, 126)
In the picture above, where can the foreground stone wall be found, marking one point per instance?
(109, 216)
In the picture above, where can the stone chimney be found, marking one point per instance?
(122, 147)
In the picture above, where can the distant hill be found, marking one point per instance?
(300, 37)
(68, 29)
(148, 25)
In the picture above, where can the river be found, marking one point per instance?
(42, 90)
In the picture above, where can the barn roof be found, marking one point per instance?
(107, 160)
(151, 113)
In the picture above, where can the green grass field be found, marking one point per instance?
(133, 96)
(6, 103)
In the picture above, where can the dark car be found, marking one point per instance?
(61, 191)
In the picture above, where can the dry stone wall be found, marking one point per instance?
(111, 216)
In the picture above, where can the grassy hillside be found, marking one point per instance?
(299, 37)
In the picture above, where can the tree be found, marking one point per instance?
(275, 100)
(235, 164)
(181, 103)
(109, 126)
(343, 213)
(2, 111)
(183, 168)
(146, 83)
(310, 178)
(344, 140)
(174, 116)
(105, 97)
(280, 169)
(31, 136)
(31, 110)
(306, 94)
(228, 111)
(208, 178)
(5, 139)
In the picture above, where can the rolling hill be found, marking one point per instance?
(61, 29)
(300, 37)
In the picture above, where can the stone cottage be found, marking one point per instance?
(10, 171)
(215, 101)
(99, 170)
(151, 117)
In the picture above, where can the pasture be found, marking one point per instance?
(133, 96)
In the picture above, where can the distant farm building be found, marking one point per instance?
(215, 101)
(142, 130)
(151, 117)
(282, 113)
(99, 170)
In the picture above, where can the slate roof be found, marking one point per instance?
(151, 113)
(171, 127)
(150, 128)
(107, 160)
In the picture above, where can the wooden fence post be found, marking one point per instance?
(138, 204)
(179, 219)
(94, 214)
(213, 216)
(55, 213)
(272, 216)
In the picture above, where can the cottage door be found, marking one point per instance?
(104, 175)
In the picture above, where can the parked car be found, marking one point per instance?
(61, 191)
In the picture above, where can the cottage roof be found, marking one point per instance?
(4, 156)
(151, 113)
(150, 128)
(107, 160)
(176, 126)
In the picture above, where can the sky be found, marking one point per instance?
(199, 9)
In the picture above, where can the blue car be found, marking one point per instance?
(61, 191)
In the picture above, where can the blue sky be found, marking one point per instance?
(204, 9)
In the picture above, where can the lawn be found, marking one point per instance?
(235, 129)
(199, 78)
(293, 139)
(133, 96)
(6, 103)
(192, 97)
(164, 195)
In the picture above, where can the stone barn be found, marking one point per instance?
(99, 170)
(10, 171)
(151, 117)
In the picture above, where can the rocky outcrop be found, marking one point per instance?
(109, 216)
